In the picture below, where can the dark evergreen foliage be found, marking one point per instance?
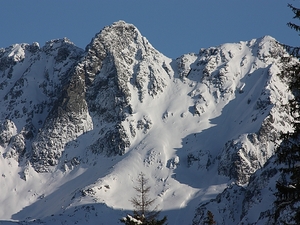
(288, 153)
(296, 11)
(210, 218)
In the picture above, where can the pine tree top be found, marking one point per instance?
(296, 12)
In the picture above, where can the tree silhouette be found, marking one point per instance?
(296, 12)
(210, 218)
(288, 153)
(142, 203)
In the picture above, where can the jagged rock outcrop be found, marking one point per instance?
(250, 151)
(251, 204)
(117, 64)
(30, 90)
(253, 166)
(240, 76)
(130, 70)
(7, 131)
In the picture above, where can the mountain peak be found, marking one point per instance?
(78, 126)
(121, 23)
(119, 33)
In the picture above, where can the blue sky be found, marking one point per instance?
(173, 27)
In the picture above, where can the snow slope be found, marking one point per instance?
(79, 126)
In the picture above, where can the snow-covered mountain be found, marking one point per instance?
(78, 126)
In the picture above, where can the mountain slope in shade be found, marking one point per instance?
(78, 126)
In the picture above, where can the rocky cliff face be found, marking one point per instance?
(253, 165)
(31, 83)
(98, 83)
(131, 70)
(249, 85)
(89, 119)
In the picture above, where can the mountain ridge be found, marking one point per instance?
(84, 123)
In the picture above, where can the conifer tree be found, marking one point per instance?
(296, 12)
(142, 203)
(210, 218)
(288, 153)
